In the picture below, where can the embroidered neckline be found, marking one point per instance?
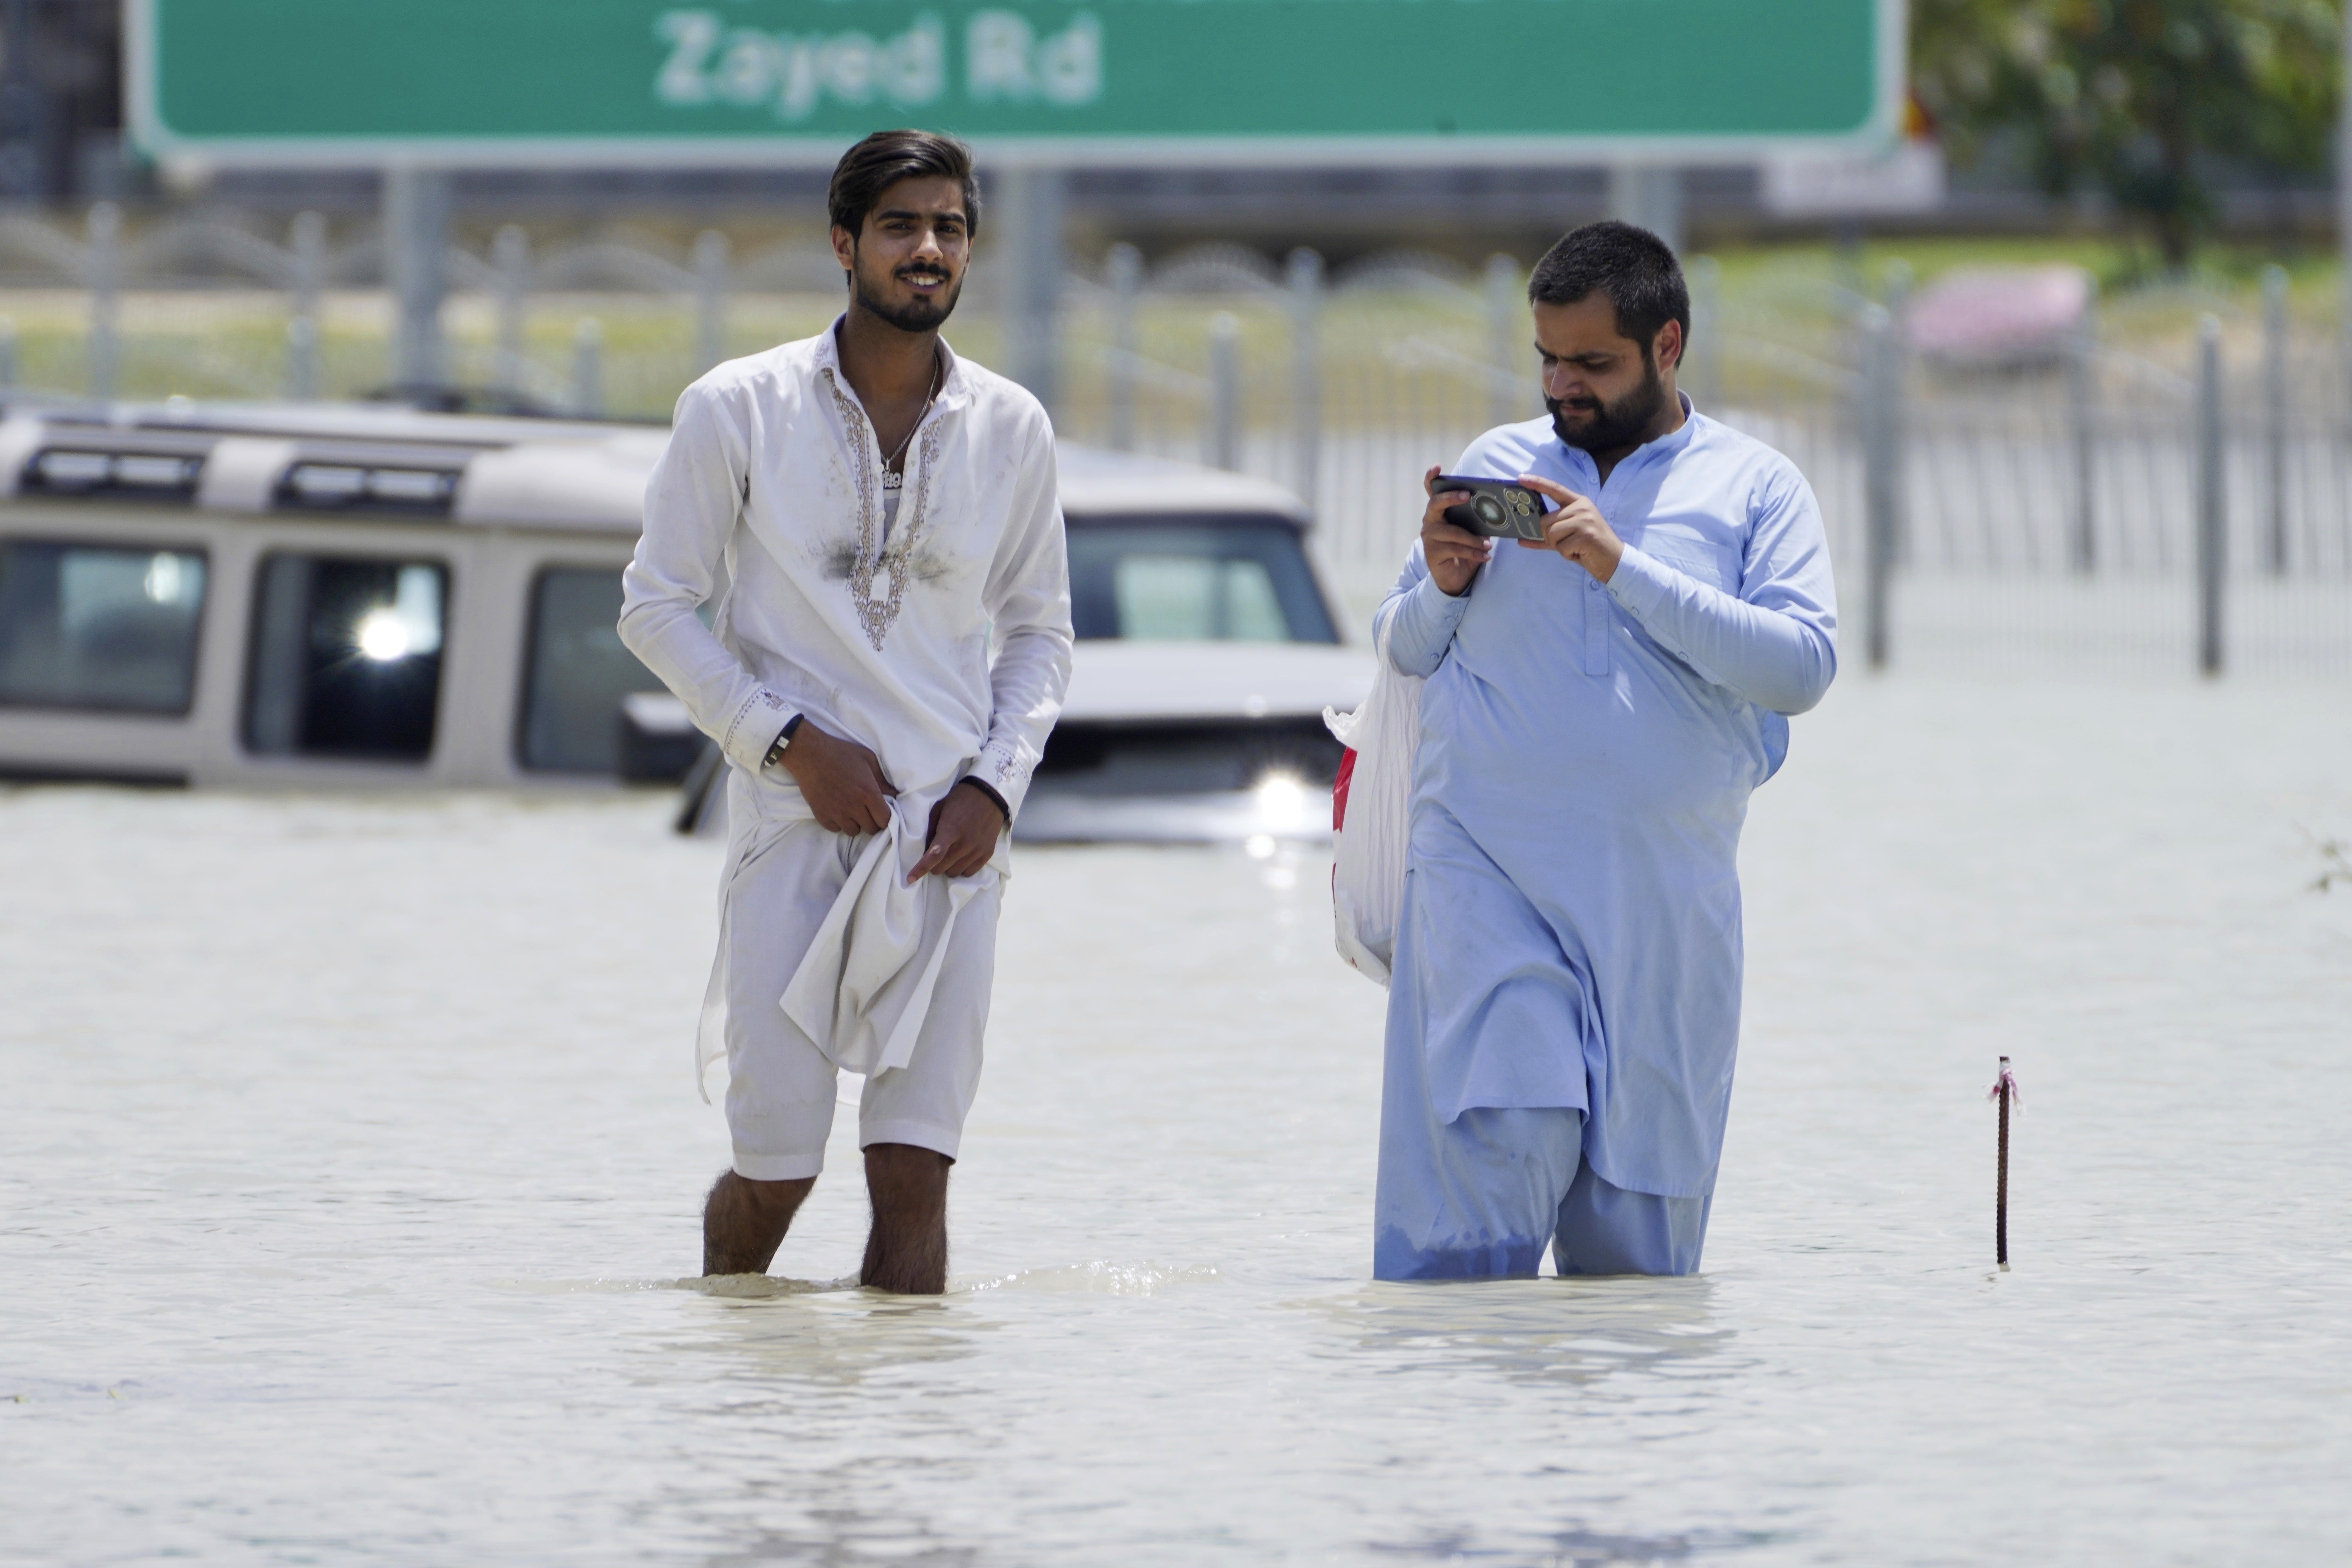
(889, 557)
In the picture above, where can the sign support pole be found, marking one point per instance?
(417, 202)
(1649, 196)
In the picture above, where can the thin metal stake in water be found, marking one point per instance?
(2004, 1091)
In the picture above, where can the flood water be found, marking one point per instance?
(349, 1158)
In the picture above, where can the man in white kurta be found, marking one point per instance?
(897, 619)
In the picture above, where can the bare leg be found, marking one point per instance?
(907, 1252)
(744, 1221)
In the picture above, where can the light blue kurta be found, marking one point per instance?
(1594, 748)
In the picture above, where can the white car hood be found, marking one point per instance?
(1113, 679)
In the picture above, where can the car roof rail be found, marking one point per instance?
(71, 460)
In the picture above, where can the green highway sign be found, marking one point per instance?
(457, 82)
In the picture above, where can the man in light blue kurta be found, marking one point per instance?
(1564, 1005)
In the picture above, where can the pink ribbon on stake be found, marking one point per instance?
(2006, 1084)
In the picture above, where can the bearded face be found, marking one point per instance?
(1594, 424)
(914, 295)
(907, 260)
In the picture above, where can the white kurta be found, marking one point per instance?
(878, 628)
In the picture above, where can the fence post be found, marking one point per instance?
(1028, 214)
(1897, 384)
(1506, 336)
(1307, 371)
(1651, 196)
(7, 354)
(1879, 433)
(1702, 366)
(510, 261)
(588, 368)
(1225, 392)
(2083, 414)
(301, 360)
(1125, 266)
(416, 263)
(308, 243)
(709, 299)
(105, 289)
(2213, 544)
(2275, 411)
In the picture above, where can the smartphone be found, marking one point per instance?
(1496, 507)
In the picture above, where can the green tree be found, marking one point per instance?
(2137, 98)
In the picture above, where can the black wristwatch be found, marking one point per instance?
(783, 739)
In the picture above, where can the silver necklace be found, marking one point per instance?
(893, 478)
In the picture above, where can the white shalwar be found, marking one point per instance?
(874, 616)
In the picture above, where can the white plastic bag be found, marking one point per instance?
(1372, 818)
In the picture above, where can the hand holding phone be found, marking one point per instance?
(1496, 509)
(1451, 555)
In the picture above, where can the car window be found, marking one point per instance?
(578, 673)
(346, 657)
(98, 627)
(1193, 580)
(1196, 598)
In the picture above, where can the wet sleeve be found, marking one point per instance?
(1775, 641)
(1029, 603)
(692, 503)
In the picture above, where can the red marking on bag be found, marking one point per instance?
(1340, 789)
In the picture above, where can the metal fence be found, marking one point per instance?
(2170, 492)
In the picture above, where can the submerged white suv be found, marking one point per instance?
(323, 596)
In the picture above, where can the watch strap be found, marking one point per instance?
(994, 798)
(783, 740)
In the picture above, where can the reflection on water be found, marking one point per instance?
(1532, 1331)
(844, 1536)
(1100, 1279)
(829, 1338)
(352, 1160)
(1587, 1547)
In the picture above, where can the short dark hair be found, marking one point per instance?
(1632, 267)
(886, 157)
